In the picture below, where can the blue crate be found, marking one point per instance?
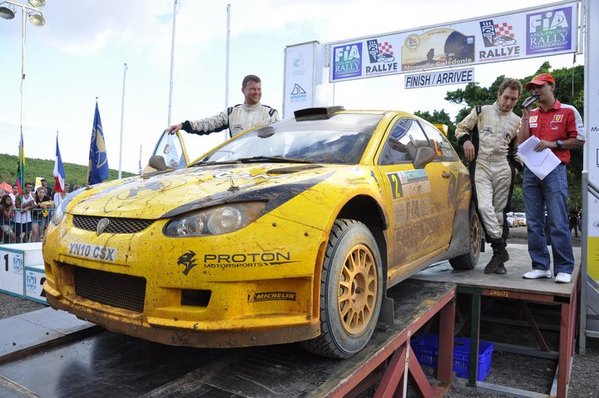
(426, 348)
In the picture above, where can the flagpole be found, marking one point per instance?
(140, 159)
(170, 86)
(122, 119)
(225, 136)
(89, 162)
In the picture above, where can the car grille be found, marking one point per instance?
(115, 226)
(122, 291)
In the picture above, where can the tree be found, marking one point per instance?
(440, 117)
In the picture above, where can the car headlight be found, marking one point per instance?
(215, 221)
(59, 212)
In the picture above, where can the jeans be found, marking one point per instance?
(551, 194)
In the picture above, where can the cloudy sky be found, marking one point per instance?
(79, 55)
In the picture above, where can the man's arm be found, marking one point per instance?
(462, 133)
(203, 126)
(524, 130)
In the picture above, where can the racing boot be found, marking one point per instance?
(500, 256)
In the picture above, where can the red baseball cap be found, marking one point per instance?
(540, 80)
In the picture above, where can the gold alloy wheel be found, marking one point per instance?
(358, 288)
(475, 233)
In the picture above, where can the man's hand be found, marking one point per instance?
(174, 128)
(468, 150)
(545, 144)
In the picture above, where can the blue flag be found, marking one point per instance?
(98, 162)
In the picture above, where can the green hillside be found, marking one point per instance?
(74, 173)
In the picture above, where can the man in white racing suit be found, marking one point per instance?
(236, 118)
(488, 136)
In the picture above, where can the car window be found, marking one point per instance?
(340, 139)
(170, 148)
(441, 145)
(405, 138)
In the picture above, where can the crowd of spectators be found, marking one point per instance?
(24, 217)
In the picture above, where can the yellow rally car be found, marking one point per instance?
(288, 232)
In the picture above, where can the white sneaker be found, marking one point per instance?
(562, 277)
(538, 273)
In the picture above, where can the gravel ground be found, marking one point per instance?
(517, 371)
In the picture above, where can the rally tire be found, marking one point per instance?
(350, 291)
(469, 260)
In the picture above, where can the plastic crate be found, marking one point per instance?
(426, 348)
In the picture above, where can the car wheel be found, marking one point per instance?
(469, 260)
(350, 291)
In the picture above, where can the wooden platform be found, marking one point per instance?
(514, 286)
(517, 266)
(37, 360)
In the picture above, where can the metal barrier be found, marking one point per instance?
(13, 232)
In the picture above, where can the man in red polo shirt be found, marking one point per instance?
(560, 128)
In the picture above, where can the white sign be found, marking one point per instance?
(299, 77)
(34, 284)
(530, 33)
(440, 78)
(11, 272)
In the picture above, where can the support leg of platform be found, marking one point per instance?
(446, 334)
(393, 374)
(474, 336)
(566, 343)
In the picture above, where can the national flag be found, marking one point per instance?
(98, 162)
(21, 166)
(58, 170)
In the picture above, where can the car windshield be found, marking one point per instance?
(339, 139)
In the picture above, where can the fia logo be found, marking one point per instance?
(547, 21)
(348, 53)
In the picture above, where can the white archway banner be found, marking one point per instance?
(534, 32)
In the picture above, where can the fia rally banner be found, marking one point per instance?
(533, 32)
(440, 78)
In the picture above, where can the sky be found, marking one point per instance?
(79, 55)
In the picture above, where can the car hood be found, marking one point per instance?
(169, 194)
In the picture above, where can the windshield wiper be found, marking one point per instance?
(274, 159)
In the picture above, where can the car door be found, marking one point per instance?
(444, 171)
(410, 192)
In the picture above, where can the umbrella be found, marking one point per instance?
(6, 186)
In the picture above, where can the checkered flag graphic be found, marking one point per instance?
(504, 29)
(385, 48)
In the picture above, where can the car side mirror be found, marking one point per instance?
(424, 155)
(157, 162)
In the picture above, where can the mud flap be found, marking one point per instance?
(387, 314)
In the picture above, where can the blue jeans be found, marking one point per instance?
(550, 193)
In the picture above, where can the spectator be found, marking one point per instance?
(39, 214)
(45, 185)
(237, 118)
(573, 218)
(7, 219)
(23, 205)
(559, 127)
(13, 195)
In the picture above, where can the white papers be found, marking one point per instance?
(541, 163)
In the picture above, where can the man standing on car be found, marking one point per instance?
(488, 136)
(559, 127)
(237, 118)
